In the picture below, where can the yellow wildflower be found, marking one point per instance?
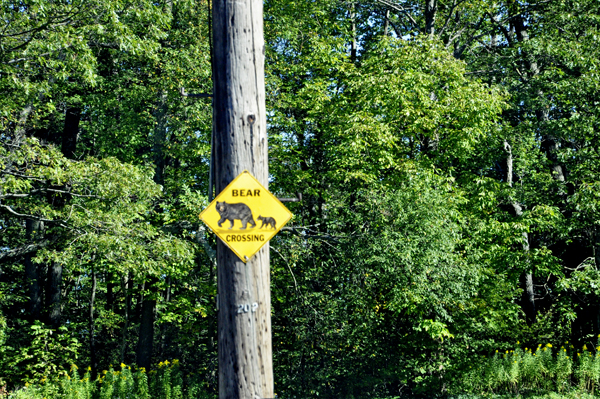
(123, 365)
(549, 345)
(584, 347)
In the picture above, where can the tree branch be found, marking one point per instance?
(297, 231)
(447, 21)
(26, 249)
(11, 211)
(400, 9)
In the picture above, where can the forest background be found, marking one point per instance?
(447, 153)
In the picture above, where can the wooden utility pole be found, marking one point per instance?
(240, 143)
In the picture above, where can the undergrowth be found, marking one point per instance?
(166, 382)
(534, 371)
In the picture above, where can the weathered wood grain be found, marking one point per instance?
(245, 351)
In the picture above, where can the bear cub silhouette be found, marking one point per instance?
(266, 221)
(232, 212)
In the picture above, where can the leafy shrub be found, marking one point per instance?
(166, 382)
(538, 370)
(43, 352)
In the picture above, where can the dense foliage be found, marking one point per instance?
(448, 159)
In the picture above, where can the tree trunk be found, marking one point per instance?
(160, 134)
(146, 332)
(549, 143)
(137, 312)
(597, 247)
(164, 326)
(93, 360)
(71, 132)
(146, 339)
(54, 279)
(244, 345)
(353, 45)
(125, 284)
(110, 286)
(34, 230)
(550, 147)
(528, 297)
(53, 285)
(430, 14)
(211, 319)
(386, 25)
(20, 128)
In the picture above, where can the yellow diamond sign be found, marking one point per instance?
(245, 216)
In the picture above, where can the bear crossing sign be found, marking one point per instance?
(245, 216)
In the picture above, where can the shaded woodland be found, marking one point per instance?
(447, 153)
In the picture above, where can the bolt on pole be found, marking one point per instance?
(240, 143)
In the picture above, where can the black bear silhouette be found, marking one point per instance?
(232, 212)
(266, 221)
